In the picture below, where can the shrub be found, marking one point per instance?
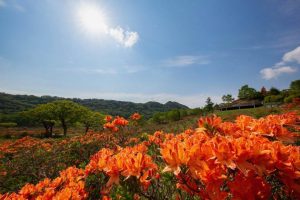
(273, 98)
(173, 115)
(290, 98)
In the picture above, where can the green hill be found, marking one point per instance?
(10, 104)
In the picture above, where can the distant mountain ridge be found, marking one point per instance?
(10, 103)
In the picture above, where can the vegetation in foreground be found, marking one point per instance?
(216, 160)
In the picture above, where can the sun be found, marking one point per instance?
(91, 19)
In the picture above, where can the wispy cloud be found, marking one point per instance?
(186, 60)
(281, 41)
(288, 7)
(2, 3)
(12, 4)
(191, 100)
(283, 67)
(106, 70)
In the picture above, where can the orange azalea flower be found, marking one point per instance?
(120, 121)
(238, 157)
(108, 118)
(135, 116)
(210, 123)
(249, 187)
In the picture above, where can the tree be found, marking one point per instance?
(90, 119)
(160, 117)
(263, 91)
(42, 114)
(295, 86)
(274, 91)
(248, 93)
(173, 115)
(227, 98)
(209, 105)
(67, 112)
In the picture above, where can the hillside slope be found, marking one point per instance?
(15, 103)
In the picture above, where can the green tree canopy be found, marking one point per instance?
(248, 93)
(227, 98)
(67, 112)
(42, 114)
(295, 86)
(209, 105)
(274, 91)
(91, 119)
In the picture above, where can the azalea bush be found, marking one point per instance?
(31, 159)
(245, 159)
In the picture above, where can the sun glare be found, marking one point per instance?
(92, 19)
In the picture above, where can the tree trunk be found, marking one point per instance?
(87, 128)
(63, 123)
(46, 129)
(65, 130)
(51, 131)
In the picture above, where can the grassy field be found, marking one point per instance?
(149, 127)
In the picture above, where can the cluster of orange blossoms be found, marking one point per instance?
(23, 143)
(214, 149)
(126, 162)
(218, 160)
(114, 124)
(69, 185)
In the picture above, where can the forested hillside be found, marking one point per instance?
(15, 103)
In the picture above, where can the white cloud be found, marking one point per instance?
(125, 38)
(292, 56)
(92, 20)
(186, 60)
(282, 67)
(274, 72)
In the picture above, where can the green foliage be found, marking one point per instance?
(195, 111)
(91, 119)
(295, 86)
(94, 184)
(42, 115)
(230, 115)
(8, 124)
(248, 93)
(273, 98)
(227, 98)
(34, 164)
(274, 91)
(290, 98)
(209, 107)
(183, 113)
(17, 103)
(173, 115)
(160, 118)
(170, 116)
(67, 113)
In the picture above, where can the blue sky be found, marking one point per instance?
(144, 50)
